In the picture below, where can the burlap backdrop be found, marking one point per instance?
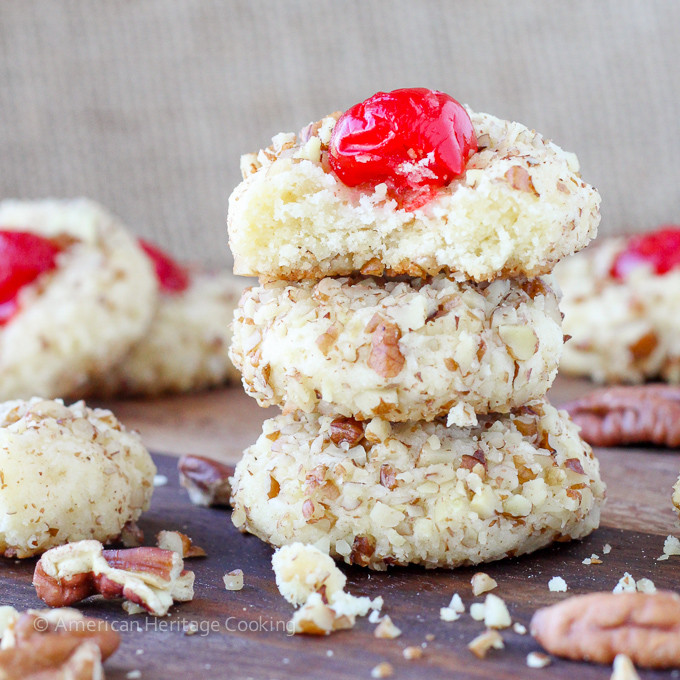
(146, 105)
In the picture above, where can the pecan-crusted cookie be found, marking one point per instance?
(518, 209)
(186, 346)
(67, 473)
(80, 317)
(400, 350)
(622, 329)
(377, 493)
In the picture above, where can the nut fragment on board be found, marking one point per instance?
(629, 414)
(61, 644)
(386, 629)
(598, 626)
(671, 547)
(486, 641)
(482, 583)
(623, 669)
(150, 578)
(233, 580)
(179, 543)
(308, 577)
(206, 480)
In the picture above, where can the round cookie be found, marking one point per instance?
(68, 473)
(622, 330)
(83, 315)
(186, 346)
(419, 493)
(400, 350)
(518, 209)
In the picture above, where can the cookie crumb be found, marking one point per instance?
(557, 585)
(623, 668)
(382, 670)
(489, 639)
(411, 653)
(453, 610)
(538, 660)
(626, 584)
(593, 559)
(482, 583)
(671, 547)
(645, 585)
(233, 580)
(386, 629)
(519, 628)
(606, 549)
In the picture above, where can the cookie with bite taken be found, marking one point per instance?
(409, 182)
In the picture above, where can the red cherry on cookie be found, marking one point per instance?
(172, 277)
(415, 140)
(659, 250)
(23, 257)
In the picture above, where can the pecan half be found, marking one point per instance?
(636, 414)
(56, 644)
(598, 626)
(386, 358)
(206, 480)
(151, 578)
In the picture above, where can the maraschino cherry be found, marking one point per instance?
(172, 277)
(23, 258)
(659, 250)
(414, 140)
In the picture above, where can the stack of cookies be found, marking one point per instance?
(405, 326)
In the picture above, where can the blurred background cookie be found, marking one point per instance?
(621, 304)
(186, 346)
(77, 292)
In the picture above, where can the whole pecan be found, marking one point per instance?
(56, 644)
(206, 480)
(636, 414)
(598, 626)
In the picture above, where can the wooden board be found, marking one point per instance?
(636, 520)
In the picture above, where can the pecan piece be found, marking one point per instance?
(179, 543)
(598, 626)
(644, 346)
(385, 358)
(346, 430)
(614, 416)
(363, 548)
(151, 578)
(520, 179)
(206, 480)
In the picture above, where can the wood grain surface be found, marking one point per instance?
(243, 634)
